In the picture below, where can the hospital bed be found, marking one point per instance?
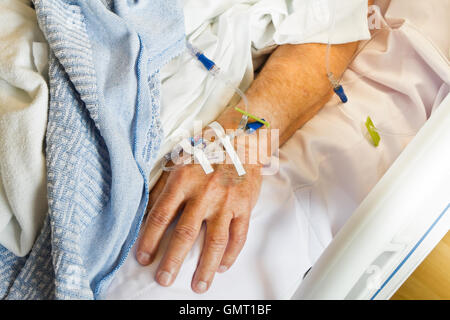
(395, 227)
(400, 221)
(343, 219)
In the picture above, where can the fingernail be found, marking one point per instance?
(222, 269)
(201, 286)
(143, 257)
(164, 278)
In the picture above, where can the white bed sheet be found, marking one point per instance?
(327, 168)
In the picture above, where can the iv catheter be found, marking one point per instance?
(207, 152)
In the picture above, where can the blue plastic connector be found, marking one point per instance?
(341, 94)
(207, 63)
(253, 126)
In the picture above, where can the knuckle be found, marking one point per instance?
(185, 233)
(169, 195)
(158, 218)
(217, 241)
(172, 194)
(174, 260)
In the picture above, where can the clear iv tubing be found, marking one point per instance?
(336, 82)
(217, 73)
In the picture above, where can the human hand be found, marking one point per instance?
(222, 200)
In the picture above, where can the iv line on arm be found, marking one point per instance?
(372, 131)
(207, 152)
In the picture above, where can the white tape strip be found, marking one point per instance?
(225, 140)
(198, 154)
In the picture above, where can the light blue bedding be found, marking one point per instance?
(102, 138)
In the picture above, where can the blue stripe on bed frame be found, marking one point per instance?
(411, 252)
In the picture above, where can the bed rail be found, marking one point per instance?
(395, 227)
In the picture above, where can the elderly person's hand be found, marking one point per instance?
(289, 90)
(222, 200)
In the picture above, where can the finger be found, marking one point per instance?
(156, 190)
(183, 238)
(159, 218)
(215, 244)
(236, 241)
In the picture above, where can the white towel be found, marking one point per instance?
(23, 119)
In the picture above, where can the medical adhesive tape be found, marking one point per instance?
(198, 154)
(225, 140)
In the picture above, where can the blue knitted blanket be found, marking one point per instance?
(102, 138)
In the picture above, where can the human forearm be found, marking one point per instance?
(293, 86)
(291, 89)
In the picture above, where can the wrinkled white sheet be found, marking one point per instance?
(23, 120)
(327, 168)
(431, 16)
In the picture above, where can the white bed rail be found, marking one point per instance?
(395, 227)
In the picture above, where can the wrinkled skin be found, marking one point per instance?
(290, 89)
(222, 200)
